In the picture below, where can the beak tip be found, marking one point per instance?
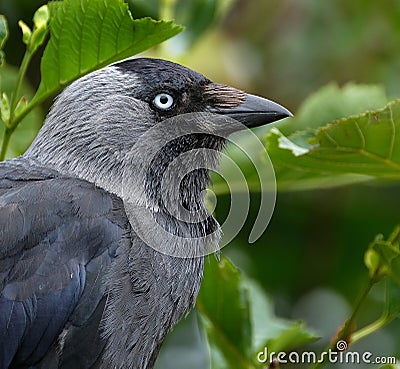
(263, 111)
(287, 113)
(280, 111)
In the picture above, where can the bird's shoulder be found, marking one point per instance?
(44, 214)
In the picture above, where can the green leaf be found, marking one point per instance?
(331, 103)
(41, 17)
(5, 109)
(3, 36)
(294, 336)
(41, 20)
(239, 319)
(373, 262)
(26, 32)
(3, 30)
(389, 254)
(383, 257)
(224, 310)
(349, 150)
(270, 331)
(89, 34)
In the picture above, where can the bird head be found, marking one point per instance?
(170, 89)
(96, 127)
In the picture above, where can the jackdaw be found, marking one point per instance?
(88, 279)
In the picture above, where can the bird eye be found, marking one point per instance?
(163, 101)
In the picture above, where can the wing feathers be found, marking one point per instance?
(51, 230)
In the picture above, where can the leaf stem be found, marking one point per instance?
(5, 142)
(345, 332)
(14, 120)
(371, 328)
(21, 75)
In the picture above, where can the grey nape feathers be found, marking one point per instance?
(101, 242)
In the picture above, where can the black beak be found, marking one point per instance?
(255, 111)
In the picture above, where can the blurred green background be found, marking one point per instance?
(310, 259)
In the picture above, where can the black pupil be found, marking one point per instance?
(164, 99)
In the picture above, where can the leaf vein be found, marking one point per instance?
(361, 134)
(81, 37)
(369, 155)
(331, 139)
(393, 138)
